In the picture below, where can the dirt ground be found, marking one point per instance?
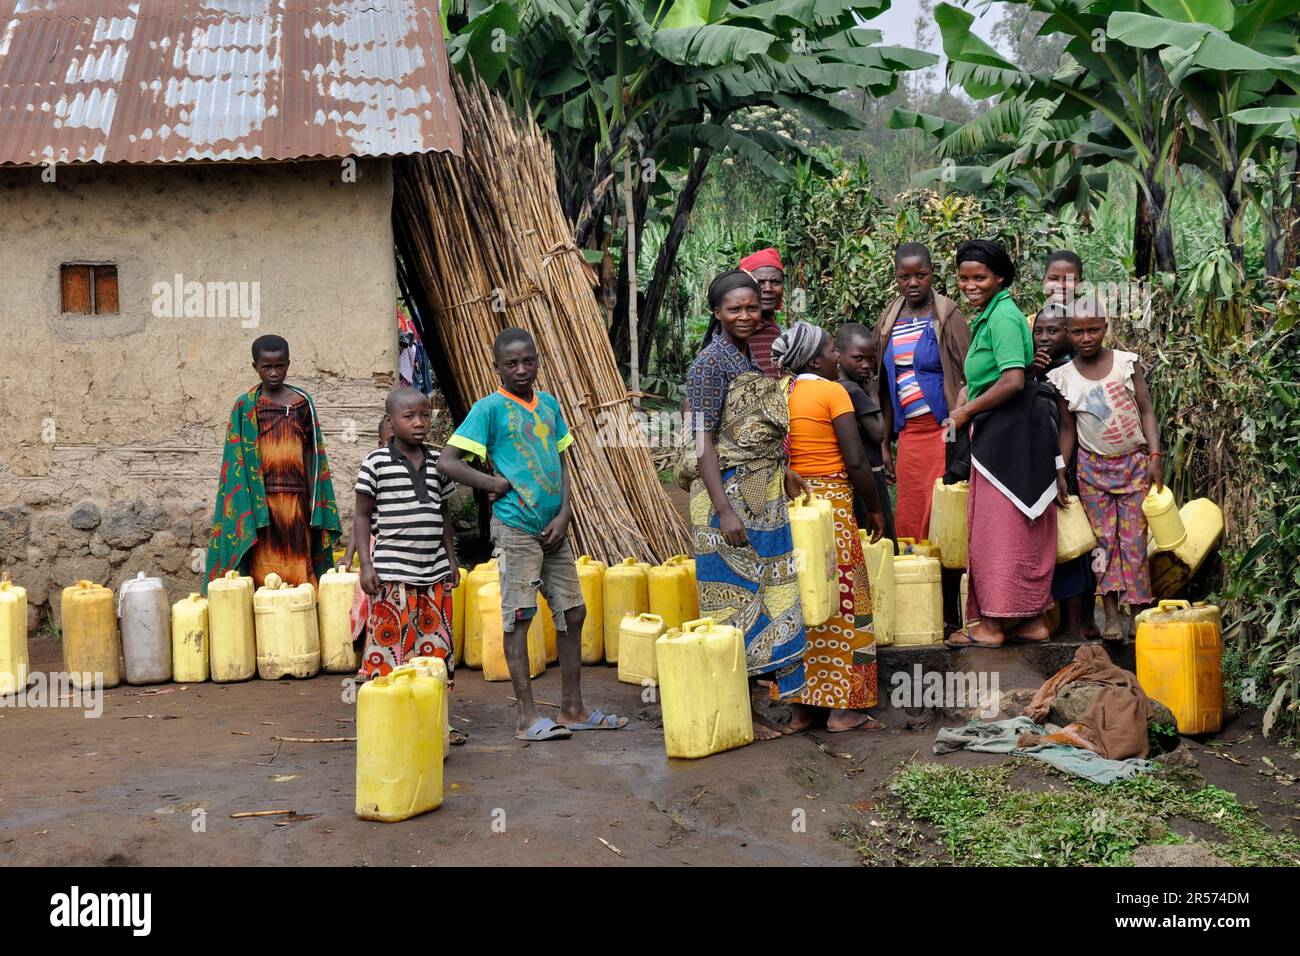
(122, 789)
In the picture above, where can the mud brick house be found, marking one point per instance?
(178, 177)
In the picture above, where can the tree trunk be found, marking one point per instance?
(618, 329)
(1143, 239)
(593, 202)
(1232, 212)
(1291, 220)
(658, 287)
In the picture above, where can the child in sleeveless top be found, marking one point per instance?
(1111, 414)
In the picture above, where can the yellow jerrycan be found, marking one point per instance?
(288, 635)
(591, 578)
(964, 595)
(1163, 519)
(15, 664)
(918, 600)
(948, 523)
(436, 667)
(1074, 534)
(91, 644)
(1179, 652)
(190, 640)
(925, 547)
(400, 744)
(880, 575)
(704, 689)
(492, 634)
(338, 589)
(689, 564)
(487, 572)
(627, 591)
(814, 561)
(636, 648)
(232, 640)
(1171, 570)
(544, 622)
(458, 617)
(672, 594)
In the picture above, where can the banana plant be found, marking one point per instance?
(663, 78)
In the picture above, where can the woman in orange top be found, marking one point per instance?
(826, 450)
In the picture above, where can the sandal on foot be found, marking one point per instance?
(963, 638)
(599, 720)
(867, 723)
(458, 737)
(543, 728)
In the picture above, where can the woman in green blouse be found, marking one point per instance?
(1016, 469)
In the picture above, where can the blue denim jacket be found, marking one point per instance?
(929, 374)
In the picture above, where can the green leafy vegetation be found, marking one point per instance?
(979, 817)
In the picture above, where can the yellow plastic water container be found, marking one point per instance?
(436, 667)
(232, 641)
(492, 636)
(689, 564)
(814, 556)
(1074, 534)
(338, 589)
(1179, 653)
(636, 642)
(288, 635)
(918, 600)
(880, 575)
(591, 579)
(14, 662)
(1171, 570)
(704, 689)
(1163, 519)
(487, 572)
(190, 640)
(91, 644)
(627, 591)
(672, 594)
(401, 739)
(458, 617)
(544, 622)
(948, 522)
(925, 547)
(144, 622)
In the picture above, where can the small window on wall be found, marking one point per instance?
(88, 289)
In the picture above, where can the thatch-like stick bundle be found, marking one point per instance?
(492, 249)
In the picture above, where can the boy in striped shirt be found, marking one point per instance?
(412, 570)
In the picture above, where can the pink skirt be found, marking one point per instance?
(1011, 559)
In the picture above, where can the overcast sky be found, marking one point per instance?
(896, 23)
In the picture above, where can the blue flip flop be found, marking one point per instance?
(543, 728)
(599, 720)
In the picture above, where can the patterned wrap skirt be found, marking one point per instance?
(406, 621)
(840, 659)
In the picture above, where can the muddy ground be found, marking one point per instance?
(122, 789)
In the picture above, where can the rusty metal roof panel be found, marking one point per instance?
(170, 81)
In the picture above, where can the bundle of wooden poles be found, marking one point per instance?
(490, 248)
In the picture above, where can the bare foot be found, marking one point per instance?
(804, 718)
(765, 728)
(1033, 630)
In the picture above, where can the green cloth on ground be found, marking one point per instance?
(241, 495)
(1001, 736)
(1000, 338)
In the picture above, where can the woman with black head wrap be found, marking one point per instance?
(744, 560)
(1016, 467)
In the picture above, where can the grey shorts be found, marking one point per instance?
(525, 568)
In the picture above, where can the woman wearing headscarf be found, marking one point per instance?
(1016, 470)
(744, 560)
(922, 338)
(826, 451)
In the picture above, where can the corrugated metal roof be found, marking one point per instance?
(167, 81)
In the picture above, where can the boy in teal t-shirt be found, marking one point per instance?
(523, 433)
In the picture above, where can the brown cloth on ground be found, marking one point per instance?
(1115, 725)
